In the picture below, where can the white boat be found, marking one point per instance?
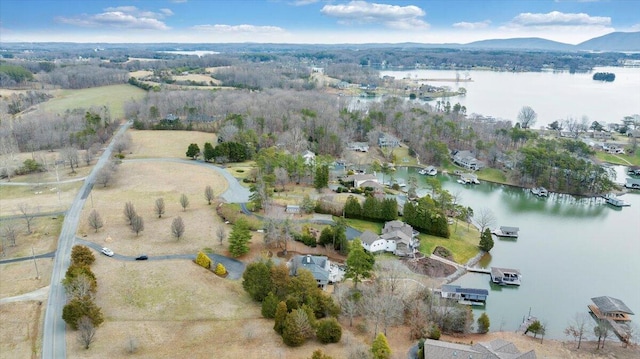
(429, 171)
(540, 191)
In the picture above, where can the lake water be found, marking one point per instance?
(568, 252)
(554, 96)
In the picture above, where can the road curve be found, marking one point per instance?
(235, 193)
(54, 334)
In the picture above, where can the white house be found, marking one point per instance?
(309, 157)
(386, 140)
(397, 237)
(466, 160)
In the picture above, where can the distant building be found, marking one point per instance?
(397, 237)
(319, 266)
(309, 157)
(386, 140)
(467, 160)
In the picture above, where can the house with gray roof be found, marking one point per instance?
(467, 160)
(495, 349)
(319, 266)
(397, 237)
(610, 308)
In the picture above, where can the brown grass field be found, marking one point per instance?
(158, 144)
(20, 329)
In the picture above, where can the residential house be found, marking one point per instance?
(358, 146)
(359, 179)
(495, 349)
(467, 160)
(386, 140)
(634, 133)
(397, 237)
(319, 266)
(601, 135)
(291, 208)
(612, 148)
(309, 157)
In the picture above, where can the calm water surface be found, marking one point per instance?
(554, 96)
(568, 252)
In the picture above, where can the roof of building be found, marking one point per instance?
(499, 272)
(496, 349)
(314, 264)
(440, 349)
(397, 236)
(450, 288)
(509, 229)
(607, 304)
(368, 237)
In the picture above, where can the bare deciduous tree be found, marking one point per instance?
(129, 211)
(281, 176)
(177, 228)
(123, 143)
(86, 331)
(602, 332)
(79, 286)
(208, 194)
(95, 221)
(184, 202)
(577, 327)
(10, 233)
(88, 156)
(527, 117)
(105, 175)
(349, 302)
(485, 218)
(221, 234)
(137, 224)
(27, 215)
(70, 154)
(159, 207)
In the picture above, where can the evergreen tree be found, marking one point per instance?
(256, 280)
(82, 307)
(239, 238)
(269, 306)
(329, 331)
(193, 151)
(280, 317)
(321, 179)
(297, 328)
(486, 240)
(352, 208)
(208, 152)
(359, 263)
(81, 256)
(380, 347)
(483, 323)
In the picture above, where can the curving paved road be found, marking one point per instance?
(234, 267)
(235, 193)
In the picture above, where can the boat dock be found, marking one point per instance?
(479, 270)
(525, 324)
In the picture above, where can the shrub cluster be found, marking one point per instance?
(81, 285)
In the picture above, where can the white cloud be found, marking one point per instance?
(219, 28)
(393, 16)
(129, 17)
(178, 1)
(635, 27)
(556, 18)
(472, 25)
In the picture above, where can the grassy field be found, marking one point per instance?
(624, 160)
(161, 144)
(362, 225)
(114, 97)
(492, 175)
(403, 158)
(463, 242)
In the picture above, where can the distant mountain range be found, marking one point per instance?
(615, 41)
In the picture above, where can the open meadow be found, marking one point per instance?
(114, 97)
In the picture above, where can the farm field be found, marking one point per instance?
(114, 97)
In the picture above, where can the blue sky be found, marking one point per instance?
(312, 21)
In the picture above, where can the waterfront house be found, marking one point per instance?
(372, 242)
(319, 266)
(610, 308)
(358, 146)
(397, 237)
(495, 349)
(309, 157)
(467, 160)
(504, 276)
(386, 140)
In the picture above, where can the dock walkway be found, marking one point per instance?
(525, 324)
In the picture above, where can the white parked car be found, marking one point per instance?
(106, 251)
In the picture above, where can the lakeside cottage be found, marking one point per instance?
(467, 160)
(397, 237)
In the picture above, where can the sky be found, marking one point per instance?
(312, 21)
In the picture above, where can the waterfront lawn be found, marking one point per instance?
(463, 243)
(114, 97)
(623, 160)
(403, 158)
(492, 175)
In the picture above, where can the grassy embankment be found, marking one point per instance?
(113, 96)
(463, 242)
(625, 160)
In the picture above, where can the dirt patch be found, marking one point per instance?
(429, 267)
(22, 277)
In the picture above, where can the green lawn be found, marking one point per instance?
(492, 175)
(619, 159)
(362, 225)
(463, 243)
(114, 97)
(403, 158)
